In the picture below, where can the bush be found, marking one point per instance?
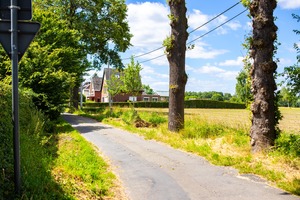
(212, 104)
(288, 144)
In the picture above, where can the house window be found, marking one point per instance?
(155, 99)
(132, 99)
(146, 99)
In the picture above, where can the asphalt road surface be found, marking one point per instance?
(150, 170)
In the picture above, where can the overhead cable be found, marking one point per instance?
(214, 17)
(201, 35)
(217, 27)
(217, 16)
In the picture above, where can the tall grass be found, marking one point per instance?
(62, 165)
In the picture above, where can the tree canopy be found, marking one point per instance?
(131, 78)
(71, 32)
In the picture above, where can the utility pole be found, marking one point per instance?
(109, 96)
(81, 88)
(15, 37)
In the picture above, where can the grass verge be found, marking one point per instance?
(220, 143)
(63, 165)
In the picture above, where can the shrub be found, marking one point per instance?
(288, 144)
(31, 124)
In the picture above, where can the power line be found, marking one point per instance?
(145, 53)
(152, 58)
(201, 35)
(189, 32)
(215, 17)
(217, 27)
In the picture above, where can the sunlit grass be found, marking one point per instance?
(222, 137)
(79, 169)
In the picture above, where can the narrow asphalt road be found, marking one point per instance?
(150, 170)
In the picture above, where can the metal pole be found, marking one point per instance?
(15, 94)
(81, 88)
(109, 96)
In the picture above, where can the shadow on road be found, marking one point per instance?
(84, 125)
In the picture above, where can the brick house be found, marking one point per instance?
(92, 89)
(122, 97)
(97, 90)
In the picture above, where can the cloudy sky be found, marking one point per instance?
(216, 59)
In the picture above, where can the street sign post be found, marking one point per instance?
(24, 12)
(15, 37)
(26, 33)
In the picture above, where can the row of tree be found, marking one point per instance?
(212, 95)
(256, 83)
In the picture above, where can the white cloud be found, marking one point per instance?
(148, 23)
(210, 70)
(199, 84)
(156, 80)
(204, 51)
(231, 63)
(228, 75)
(289, 4)
(197, 18)
(217, 72)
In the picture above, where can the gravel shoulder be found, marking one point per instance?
(150, 170)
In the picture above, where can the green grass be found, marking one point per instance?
(223, 142)
(63, 165)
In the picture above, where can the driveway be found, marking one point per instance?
(150, 170)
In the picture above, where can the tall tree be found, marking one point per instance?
(131, 78)
(176, 50)
(263, 130)
(242, 87)
(52, 63)
(103, 27)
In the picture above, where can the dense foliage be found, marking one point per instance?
(57, 59)
(212, 95)
(131, 78)
(31, 124)
(52, 63)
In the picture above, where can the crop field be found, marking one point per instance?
(238, 118)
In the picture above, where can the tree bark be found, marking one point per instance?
(263, 132)
(176, 57)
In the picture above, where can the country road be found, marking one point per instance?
(150, 170)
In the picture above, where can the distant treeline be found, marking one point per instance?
(212, 95)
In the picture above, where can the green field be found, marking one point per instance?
(237, 118)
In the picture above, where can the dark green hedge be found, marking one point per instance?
(187, 104)
(212, 104)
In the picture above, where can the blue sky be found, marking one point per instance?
(216, 59)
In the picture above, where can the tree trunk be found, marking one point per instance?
(263, 132)
(75, 97)
(176, 57)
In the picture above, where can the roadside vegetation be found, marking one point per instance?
(222, 137)
(56, 162)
